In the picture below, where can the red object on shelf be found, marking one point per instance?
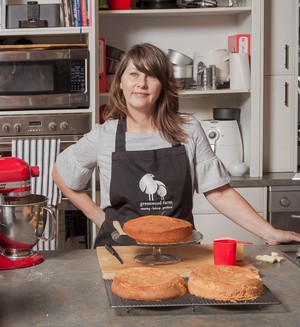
(119, 4)
(239, 43)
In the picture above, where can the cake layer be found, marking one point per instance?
(225, 283)
(158, 229)
(148, 284)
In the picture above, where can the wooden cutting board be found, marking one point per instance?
(191, 257)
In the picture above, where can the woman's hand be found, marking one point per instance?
(281, 236)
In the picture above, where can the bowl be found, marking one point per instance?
(183, 71)
(178, 58)
(22, 222)
(226, 113)
(237, 169)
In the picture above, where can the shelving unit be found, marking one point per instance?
(61, 35)
(203, 29)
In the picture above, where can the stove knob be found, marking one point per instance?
(6, 127)
(285, 202)
(17, 127)
(212, 135)
(64, 126)
(52, 126)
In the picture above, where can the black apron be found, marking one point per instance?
(143, 183)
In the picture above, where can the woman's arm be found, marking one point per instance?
(80, 199)
(231, 204)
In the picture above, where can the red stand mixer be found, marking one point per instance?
(23, 216)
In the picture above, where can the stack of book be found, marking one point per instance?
(77, 12)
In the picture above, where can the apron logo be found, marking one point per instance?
(150, 186)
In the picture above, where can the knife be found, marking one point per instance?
(111, 250)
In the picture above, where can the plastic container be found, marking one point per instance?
(119, 4)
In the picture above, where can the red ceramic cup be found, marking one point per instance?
(119, 4)
(225, 252)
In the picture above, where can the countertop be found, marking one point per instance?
(67, 290)
(268, 179)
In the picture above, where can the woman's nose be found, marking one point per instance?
(142, 80)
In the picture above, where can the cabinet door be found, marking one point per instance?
(213, 225)
(280, 36)
(280, 124)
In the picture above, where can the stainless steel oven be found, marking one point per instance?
(284, 207)
(73, 228)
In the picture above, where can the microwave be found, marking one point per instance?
(44, 78)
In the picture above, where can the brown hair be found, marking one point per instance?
(150, 60)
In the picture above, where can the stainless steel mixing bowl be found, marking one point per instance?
(23, 221)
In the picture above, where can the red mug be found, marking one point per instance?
(119, 4)
(225, 252)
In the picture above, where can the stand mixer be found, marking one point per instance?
(23, 216)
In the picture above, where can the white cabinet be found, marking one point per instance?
(214, 225)
(191, 30)
(279, 123)
(280, 86)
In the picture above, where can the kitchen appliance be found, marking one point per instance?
(33, 77)
(219, 58)
(74, 230)
(284, 207)
(225, 139)
(32, 15)
(22, 216)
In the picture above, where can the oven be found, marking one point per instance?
(284, 207)
(38, 139)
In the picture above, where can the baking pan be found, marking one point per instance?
(187, 300)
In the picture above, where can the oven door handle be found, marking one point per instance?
(295, 216)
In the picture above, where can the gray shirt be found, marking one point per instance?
(75, 165)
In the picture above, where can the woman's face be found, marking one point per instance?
(140, 90)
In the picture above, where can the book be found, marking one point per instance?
(84, 19)
(78, 13)
(66, 13)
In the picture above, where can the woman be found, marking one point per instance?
(151, 158)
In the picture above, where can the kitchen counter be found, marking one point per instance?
(268, 179)
(67, 290)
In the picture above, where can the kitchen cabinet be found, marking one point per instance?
(280, 86)
(191, 30)
(214, 225)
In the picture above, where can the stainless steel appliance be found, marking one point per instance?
(284, 207)
(32, 77)
(67, 129)
(23, 215)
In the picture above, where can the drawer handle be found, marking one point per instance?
(286, 94)
(286, 59)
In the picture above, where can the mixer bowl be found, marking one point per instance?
(22, 224)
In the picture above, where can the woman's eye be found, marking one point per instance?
(152, 77)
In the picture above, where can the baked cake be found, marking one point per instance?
(158, 229)
(148, 284)
(225, 283)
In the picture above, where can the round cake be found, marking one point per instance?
(158, 229)
(148, 284)
(225, 283)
